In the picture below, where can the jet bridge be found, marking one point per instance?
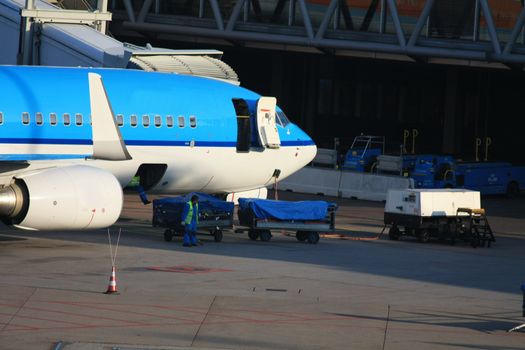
(57, 44)
(36, 32)
(205, 63)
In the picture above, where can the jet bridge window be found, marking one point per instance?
(243, 125)
(39, 119)
(67, 119)
(53, 119)
(25, 118)
(181, 121)
(120, 119)
(78, 119)
(145, 120)
(133, 120)
(193, 121)
(158, 121)
(169, 121)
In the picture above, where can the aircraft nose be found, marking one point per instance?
(309, 152)
(308, 149)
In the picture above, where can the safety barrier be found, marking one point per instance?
(344, 184)
(371, 187)
(313, 180)
(326, 156)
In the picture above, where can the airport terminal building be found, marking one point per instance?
(451, 69)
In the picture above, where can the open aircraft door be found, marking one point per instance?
(266, 126)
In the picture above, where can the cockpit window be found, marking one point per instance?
(281, 119)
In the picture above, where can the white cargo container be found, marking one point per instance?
(427, 212)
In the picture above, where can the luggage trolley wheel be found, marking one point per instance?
(312, 237)
(265, 235)
(217, 234)
(253, 234)
(394, 233)
(301, 236)
(168, 235)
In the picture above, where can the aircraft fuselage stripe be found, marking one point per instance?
(46, 141)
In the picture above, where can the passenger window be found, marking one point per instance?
(158, 121)
(181, 121)
(67, 119)
(133, 120)
(78, 119)
(39, 119)
(25, 118)
(145, 120)
(1, 118)
(193, 121)
(120, 119)
(169, 121)
(52, 118)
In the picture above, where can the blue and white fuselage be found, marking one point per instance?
(187, 124)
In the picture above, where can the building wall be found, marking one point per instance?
(342, 97)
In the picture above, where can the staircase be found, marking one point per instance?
(477, 228)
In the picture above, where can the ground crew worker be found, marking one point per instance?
(190, 220)
(135, 182)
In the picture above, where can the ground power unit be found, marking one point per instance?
(441, 213)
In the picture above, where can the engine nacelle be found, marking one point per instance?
(68, 198)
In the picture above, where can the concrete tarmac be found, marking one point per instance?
(283, 294)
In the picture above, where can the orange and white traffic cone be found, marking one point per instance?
(112, 287)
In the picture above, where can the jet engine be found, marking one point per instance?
(66, 198)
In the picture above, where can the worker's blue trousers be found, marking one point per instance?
(189, 234)
(142, 194)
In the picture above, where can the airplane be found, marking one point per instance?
(72, 138)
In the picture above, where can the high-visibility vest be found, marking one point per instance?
(187, 221)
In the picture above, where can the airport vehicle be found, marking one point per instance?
(363, 153)
(71, 138)
(409, 164)
(307, 218)
(485, 177)
(215, 215)
(443, 171)
(440, 213)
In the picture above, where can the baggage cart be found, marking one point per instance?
(308, 218)
(215, 215)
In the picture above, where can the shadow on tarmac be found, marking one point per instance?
(478, 323)
(474, 346)
(493, 269)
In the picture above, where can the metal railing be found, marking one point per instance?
(416, 30)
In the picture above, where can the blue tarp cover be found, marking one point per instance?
(282, 210)
(205, 202)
